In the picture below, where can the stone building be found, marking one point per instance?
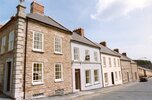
(111, 68)
(85, 62)
(35, 58)
(128, 68)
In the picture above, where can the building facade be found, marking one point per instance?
(134, 67)
(35, 58)
(86, 66)
(111, 68)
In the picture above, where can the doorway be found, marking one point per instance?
(128, 76)
(77, 79)
(112, 77)
(8, 75)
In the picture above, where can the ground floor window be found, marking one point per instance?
(1, 73)
(116, 75)
(106, 77)
(88, 76)
(120, 75)
(96, 76)
(58, 72)
(37, 73)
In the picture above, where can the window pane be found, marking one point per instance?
(37, 72)
(38, 43)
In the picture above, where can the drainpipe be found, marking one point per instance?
(26, 31)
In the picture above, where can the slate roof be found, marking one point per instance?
(122, 57)
(82, 39)
(47, 20)
(107, 50)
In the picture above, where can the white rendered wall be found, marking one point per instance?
(113, 69)
(83, 66)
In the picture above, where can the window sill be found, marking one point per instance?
(87, 85)
(58, 53)
(96, 83)
(35, 50)
(58, 81)
(37, 83)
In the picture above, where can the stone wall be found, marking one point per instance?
(48, 58)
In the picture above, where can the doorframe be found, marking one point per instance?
(5, 76)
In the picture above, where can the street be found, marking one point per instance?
(139, 91)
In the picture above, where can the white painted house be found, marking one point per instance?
(86, 64)
(111, 68)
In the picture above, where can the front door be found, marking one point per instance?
(8, 76)
(77, 79)
(112, 77)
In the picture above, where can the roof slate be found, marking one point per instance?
(107, 50)
(82, 39)
(47, 20)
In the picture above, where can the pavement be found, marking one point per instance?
(129, 91)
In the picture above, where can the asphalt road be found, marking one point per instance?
(139, 91)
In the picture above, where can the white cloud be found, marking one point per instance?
(109, 9)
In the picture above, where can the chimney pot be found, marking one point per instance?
(37, 8)
(79, 31)
(103, 43)
(116, 50)
(125, 54)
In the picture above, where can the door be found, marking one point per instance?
(112, 77)
(8, 75)
(77, 79)
(128, 76)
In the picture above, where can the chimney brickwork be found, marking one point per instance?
(125, 54)
(103, 43)
(80, 31)
(116, 50)
(37, 8)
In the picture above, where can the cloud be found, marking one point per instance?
(110, 9)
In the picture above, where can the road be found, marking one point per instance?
(139, 91)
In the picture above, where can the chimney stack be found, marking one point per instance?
(21, 10)
(37, 8)
(103, 43)
(125, 54)
(1, 26)
(80, 31)
(116, 50)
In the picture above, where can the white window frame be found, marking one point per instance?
(61, 40)
(95, 56)
(61, 79)
(11, 40)
(96, 82)
(88, 84)
(104, 61)
(105, 78)
(37, 83)
(35, 49)
(77, 54)
(3, 44)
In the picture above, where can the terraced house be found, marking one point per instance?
(35, 58)
(129, 68)
(111, 68)
(86, 64)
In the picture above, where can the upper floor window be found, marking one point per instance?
(95, 56)
(38, 41)
(58, 72)
(76, 53)
(104, 61)
(11, 41)
(109, 61)
(3, 44)
(58, 45)
(114, 62)
(118, 62)
(37, 73)
(87, 55)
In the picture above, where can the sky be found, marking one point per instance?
(123, 24)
